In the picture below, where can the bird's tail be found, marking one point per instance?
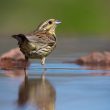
(20, 37)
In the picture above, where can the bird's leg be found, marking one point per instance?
(43, 61)
(44, 69)
(26, 61)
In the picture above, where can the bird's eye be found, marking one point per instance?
(50, 22)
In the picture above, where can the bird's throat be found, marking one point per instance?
(52, 31)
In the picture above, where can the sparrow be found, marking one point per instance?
(39, 43)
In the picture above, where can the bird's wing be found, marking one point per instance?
(42, 38)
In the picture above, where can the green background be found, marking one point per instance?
(77, 16)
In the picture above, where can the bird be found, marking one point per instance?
(39, 43)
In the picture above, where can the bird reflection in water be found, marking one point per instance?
(37, 92)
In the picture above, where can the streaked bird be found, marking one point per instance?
(40, 43)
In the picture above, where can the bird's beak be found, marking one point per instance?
(57, 22)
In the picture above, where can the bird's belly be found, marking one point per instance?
(39, 52)
(43, 52)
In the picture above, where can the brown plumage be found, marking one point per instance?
(40, 43)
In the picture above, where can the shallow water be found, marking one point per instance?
(66, 87)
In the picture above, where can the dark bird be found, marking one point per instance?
(36, 92)
(40, 43)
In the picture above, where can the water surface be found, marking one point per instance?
(66, 87)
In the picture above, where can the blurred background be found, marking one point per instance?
(85, 28)
(79, 17)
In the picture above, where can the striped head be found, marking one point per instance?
(49, 26)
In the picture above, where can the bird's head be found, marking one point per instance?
(49, 26)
